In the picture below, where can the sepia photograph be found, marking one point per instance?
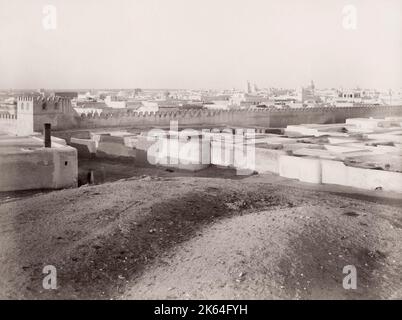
(223, 151)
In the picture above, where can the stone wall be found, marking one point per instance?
(265, 117)
(8, 124)
(46, 168)
(315, 170)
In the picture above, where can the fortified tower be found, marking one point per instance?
(25, 112)
(34, 112)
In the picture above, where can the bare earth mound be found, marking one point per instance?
(182, 237)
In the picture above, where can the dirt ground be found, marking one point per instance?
(171, 235)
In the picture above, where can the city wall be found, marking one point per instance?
(8, 123)
(274, 118)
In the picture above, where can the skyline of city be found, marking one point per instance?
(228, 89)
(242, 87)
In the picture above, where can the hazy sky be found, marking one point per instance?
(200, 44)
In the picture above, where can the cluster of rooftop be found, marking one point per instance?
(27, 163)
(364, 153)
(253, 97)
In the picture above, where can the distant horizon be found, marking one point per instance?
(192, 89)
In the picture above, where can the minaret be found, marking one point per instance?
(248, 87)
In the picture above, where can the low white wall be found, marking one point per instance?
(193, 154)
(89, 144)
(267, 160)
(222, 153)
(43, 168)
(8, 125)
(65, 174)
(301, 168)
(336, 172)
(370, 123)
(303, 130)
(310, 170)
(115, 149)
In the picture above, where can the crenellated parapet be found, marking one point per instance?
(8, 116)
(272, 117)
(45, 104)
(59, 112)
(33, 111)
(8, 123)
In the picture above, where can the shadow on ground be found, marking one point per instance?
(102, 265)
